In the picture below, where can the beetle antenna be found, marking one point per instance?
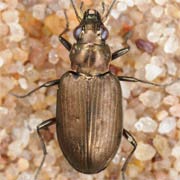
(67, 24)
(103, 7)
(81, 7)
(75, 10)
(109, 10)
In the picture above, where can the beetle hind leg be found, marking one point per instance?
(41, 126)
(133, 142)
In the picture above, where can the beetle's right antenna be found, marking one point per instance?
(81, 7)
(109, 10)
(75, 10)
(103, 7)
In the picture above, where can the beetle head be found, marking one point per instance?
(91, 24)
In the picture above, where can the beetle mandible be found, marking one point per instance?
(89, 117)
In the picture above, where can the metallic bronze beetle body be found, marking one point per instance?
(89, 107)
(89, 120)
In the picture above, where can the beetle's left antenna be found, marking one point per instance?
(75, 10)
(109, 10)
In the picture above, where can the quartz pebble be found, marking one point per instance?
(53, 56)
(130, 3)
(175, 110)
(161, 2)
(139, 2)
(23, 83)
(167, 125)
(126, 89)
(4, 29)
(129, 114)
(149, 100)
(161, 175)
(12, 4)
(39, 11)
(54, 41)
(157, 11)
(174, 174)
(169, 31)
(171, 45)
(146, 124)
(3, 6)
(17, 32)
(176, 151)
(174, 89)
(15, 152)
(144, 152)
(64, 4)
(121, 6)
(115, 13)
(3, 110)
(170, 100)
(11, 171)
(23, 164)
(172, 69)
(155, 32)
(6, 55)
(25, 176)
(10, 16)
(32, 123)
(54, 24)
(161, 145)
(21, 135)
(152, 72)
(177, 165)
(161, 115)
(20, 55)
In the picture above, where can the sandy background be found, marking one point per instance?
(30, 54)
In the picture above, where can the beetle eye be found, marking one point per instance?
(77, 32)
(104, 33)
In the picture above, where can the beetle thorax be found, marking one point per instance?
(90, 54)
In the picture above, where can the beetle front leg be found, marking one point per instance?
(47, 84)
(123, 51)
(64, 42)
(120, 52)
(43, 125)
(133, 142)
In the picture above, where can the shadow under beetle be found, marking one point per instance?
(89, 118)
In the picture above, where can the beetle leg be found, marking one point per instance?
(43, 125)
(47, 84)
(133, 142)
(123, 51)
(120, 52)
(133, 79)
(64, 42)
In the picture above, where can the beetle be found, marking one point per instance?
(89, 117)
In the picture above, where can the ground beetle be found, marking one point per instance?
(89, 118)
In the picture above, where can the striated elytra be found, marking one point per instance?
(89, 120)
